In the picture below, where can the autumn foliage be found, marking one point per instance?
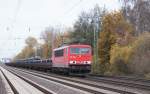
(28, 51)
(122, 49)
(140, 60)
(121, 52)
(115, 31)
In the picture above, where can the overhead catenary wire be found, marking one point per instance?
(17, 11)
(73, 7)
(9, 29)
(70, 10)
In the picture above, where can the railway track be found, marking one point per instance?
(17, 84)
(128, 82)
(92, 83)
(121, 81)
(5, 86)
(129, 78)
(82, 85)
(88, 89)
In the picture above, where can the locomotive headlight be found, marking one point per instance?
(88, 62)
(72, 62)
(85, 62)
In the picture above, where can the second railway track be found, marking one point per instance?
(138, 84)
(86, 86)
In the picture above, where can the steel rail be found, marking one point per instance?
(10, 84)
(72, 80)
(42, 89)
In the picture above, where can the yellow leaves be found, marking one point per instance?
(113, 26)
(60, 38)
(115, 22)
(140, 61)
(26, 52)
(54, 39)
(44, 50)
(119, 47)
(31, 41)
(124, 52)
(29, 52)
(141, 44)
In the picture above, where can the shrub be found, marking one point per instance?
(147, 76)
(124, 52)
(140, 61)
(99, 68)
(119, 67)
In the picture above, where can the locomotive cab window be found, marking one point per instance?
(59, 53)
(79, 50)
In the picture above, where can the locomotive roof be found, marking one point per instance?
(62, 47)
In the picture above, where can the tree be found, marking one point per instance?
(86, 25)
(114, 28)
(47, 36)
(28, 51)
(58, 39)
(46, 51)
(137, 12)
(53, 38)
(140, 60)
(31, 41)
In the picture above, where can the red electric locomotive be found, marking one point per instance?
(72, 58)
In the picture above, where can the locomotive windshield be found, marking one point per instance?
(79, 50)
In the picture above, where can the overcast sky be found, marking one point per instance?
(17, 16)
